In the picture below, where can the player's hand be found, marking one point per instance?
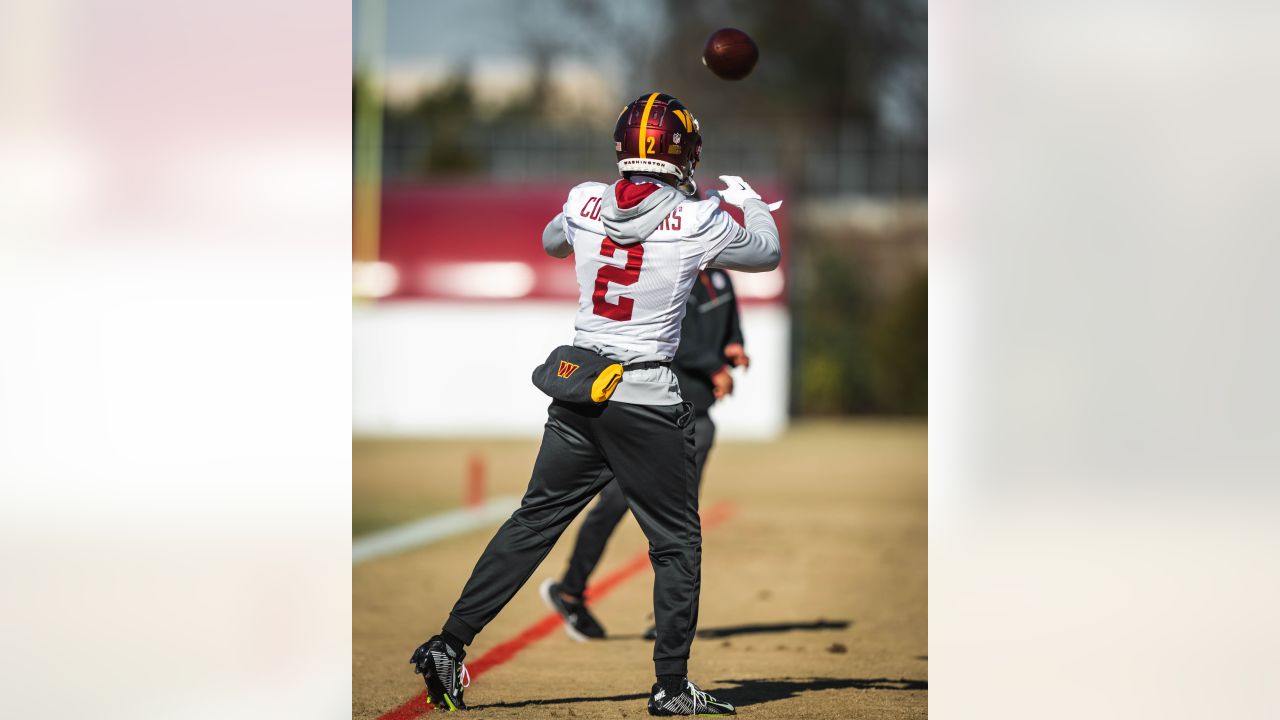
(739, 192)
(721, 383)
(736, 192)
(737, 355)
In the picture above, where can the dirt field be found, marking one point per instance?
(814, 600)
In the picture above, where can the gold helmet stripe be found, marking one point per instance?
(644, 122)
(684, 119)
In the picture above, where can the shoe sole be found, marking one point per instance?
(545, 591)
(447, 704)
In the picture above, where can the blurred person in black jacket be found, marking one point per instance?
(710, 344)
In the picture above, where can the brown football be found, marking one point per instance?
(731, 54)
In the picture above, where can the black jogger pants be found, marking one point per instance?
(650, 451)
(603, 517)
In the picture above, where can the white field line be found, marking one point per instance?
(432, 529)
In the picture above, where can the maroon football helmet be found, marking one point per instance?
(657, 134)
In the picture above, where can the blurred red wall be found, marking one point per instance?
(432, 233)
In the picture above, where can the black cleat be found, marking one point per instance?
(444, 672)
(693, 701)
(579, 623)
(651, 633)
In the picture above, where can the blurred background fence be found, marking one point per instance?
(850, 160)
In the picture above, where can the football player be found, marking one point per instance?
(638, 246)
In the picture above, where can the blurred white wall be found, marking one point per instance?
(457, 369)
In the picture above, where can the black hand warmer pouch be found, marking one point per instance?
(575, 375)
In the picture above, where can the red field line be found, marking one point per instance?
(417, 706)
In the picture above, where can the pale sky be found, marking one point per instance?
(419, 31)
(427, 40)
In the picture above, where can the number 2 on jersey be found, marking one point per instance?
(629, 274)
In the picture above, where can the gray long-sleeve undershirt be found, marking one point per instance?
(754, 248)
(554, 241)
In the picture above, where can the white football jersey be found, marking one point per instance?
(631, 298)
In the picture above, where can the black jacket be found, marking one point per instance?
(710, 322)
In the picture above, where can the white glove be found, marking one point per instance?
(737, 191)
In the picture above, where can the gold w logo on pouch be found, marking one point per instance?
(566, 369)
